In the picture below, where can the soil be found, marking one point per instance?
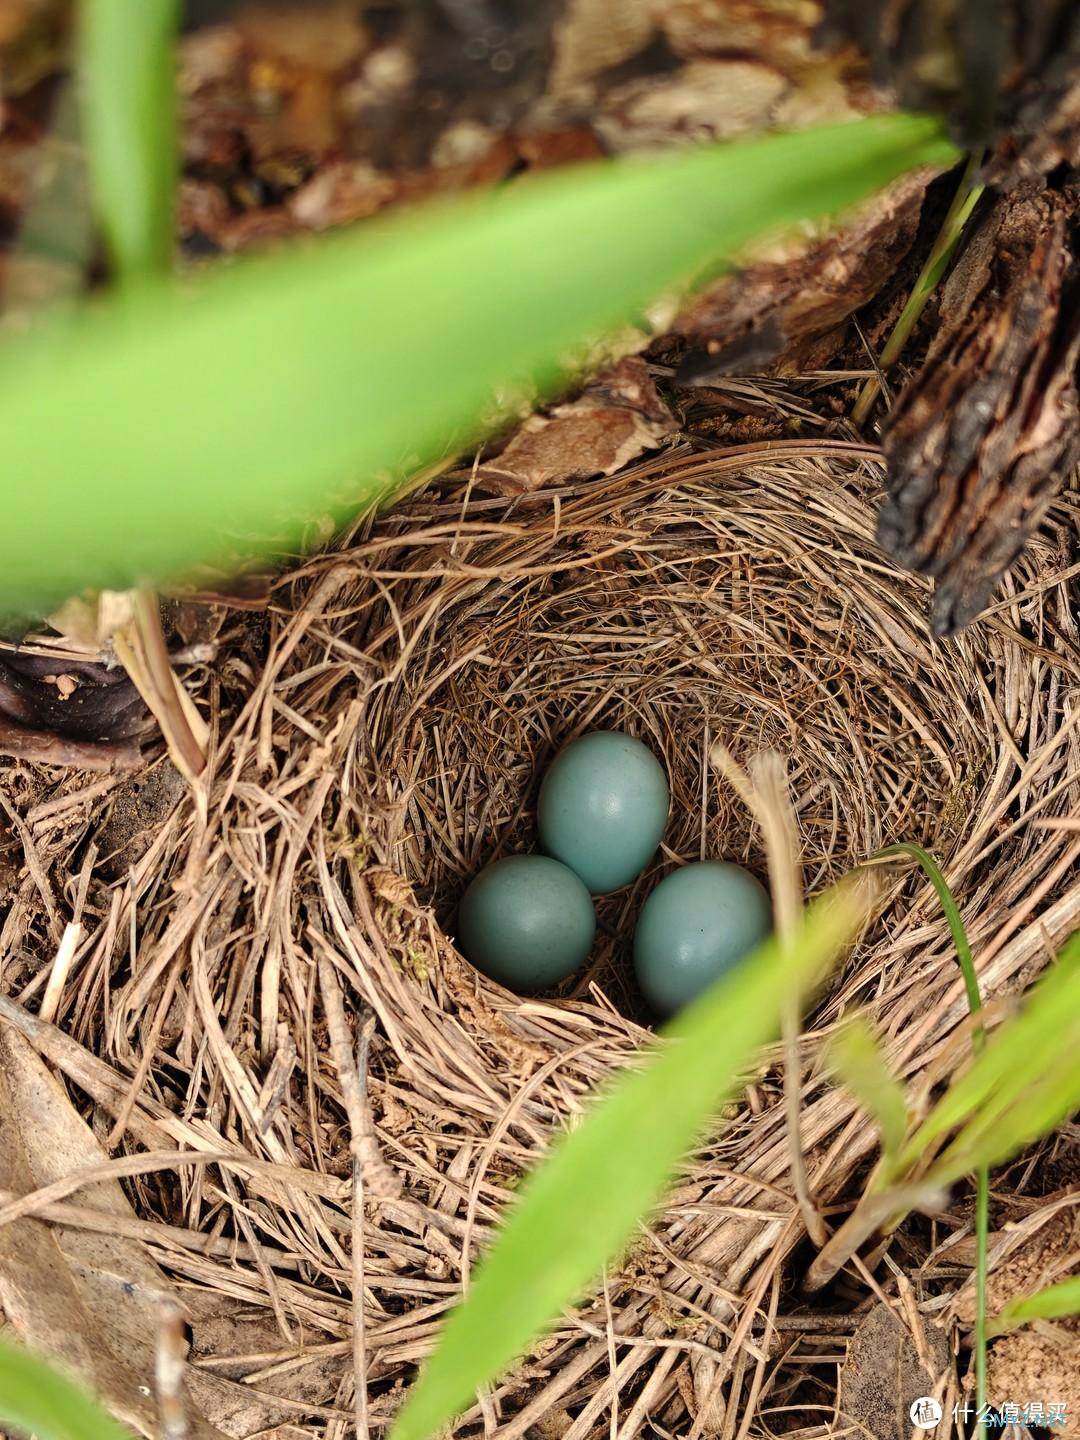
(139, 808)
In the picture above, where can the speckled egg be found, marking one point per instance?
(603, 807)
(698, 923)
(526, 921)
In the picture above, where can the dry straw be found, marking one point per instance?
(378, 740)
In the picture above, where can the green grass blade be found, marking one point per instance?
(37, 1400)
(1053, 1303)
(967, 196)
(127, 78)
(860, 1064)
(932, 870)
(196, 421)
(581, 1206)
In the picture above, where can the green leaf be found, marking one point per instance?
(1052, 1303)
(127, 79)
(37, 1400)
(1002, 1128)
(1023, 1083)
(188, 422)
(581, 1206)
(857, 1058)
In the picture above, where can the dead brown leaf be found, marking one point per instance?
(90, 1301)
(93, 1301)
(883, 1374)
(340, 193)
(619, 416)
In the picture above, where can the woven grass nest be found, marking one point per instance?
(416, 681)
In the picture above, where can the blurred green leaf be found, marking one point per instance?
(38, 1401)
(183, 423)
(857, 1058)
(1024, 1083)
(1053, 1303)
(581, 1205)
(127, 82)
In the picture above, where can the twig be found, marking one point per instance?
(168, 709)
(61, 968)
(875, 363)
(146, 1164)
(169, 1373)
(764, 793)
(368, 1166)
(153, 1232)
(44, 748)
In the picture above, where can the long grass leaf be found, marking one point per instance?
(1000, 1130)
(127, 80)
(581, 1206)
(1053, 1303)
(860, 1064)
(932, 871)
(196, 421)
(37, 1400)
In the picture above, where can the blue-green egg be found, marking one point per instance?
(603, 807)
(526, 921)
(698, 923)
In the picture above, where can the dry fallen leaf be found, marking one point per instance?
(882, 1374)
(92, 1301)
(618, 417)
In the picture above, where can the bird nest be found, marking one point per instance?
(378, 738)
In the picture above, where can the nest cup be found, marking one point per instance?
(379, 737)
(685, 608)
